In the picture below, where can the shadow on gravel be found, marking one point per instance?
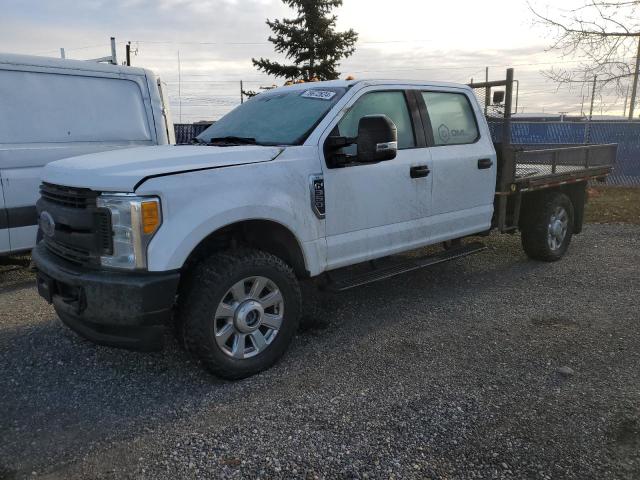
(60, 393)
(20, 285)
(21, 261)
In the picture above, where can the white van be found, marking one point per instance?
(52, 109)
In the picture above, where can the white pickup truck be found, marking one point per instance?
(295, 183)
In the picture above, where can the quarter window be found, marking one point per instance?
(452, 118)
(392, 104)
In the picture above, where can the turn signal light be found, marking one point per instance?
(150, 217)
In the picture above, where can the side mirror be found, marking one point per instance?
(377, 139)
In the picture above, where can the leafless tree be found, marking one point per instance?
(604, 35)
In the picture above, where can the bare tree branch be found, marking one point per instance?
(602, 33)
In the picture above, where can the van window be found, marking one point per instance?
(392, 104)
(45, 107)
(452, 118)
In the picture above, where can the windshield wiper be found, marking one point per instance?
(234, 140)
(196, 140)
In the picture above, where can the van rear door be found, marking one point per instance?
(5, 246)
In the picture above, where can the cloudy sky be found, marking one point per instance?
(213, 41)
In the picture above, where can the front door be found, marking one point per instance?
(373, 210)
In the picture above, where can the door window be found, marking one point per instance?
(390, 103)
(452, 118)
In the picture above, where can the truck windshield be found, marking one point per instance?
(274, 118)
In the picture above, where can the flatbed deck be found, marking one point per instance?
(523, 167)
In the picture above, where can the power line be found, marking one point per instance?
(363, 42)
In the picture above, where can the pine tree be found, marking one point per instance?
(309, 41)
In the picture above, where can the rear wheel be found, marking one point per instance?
(239, 312)
(548, 228)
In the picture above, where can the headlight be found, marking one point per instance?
(134, 221)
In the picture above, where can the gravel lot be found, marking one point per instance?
(492, 366)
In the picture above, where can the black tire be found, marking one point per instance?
(536, 227)
(204, 289)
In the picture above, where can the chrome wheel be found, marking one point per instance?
(249, 317)
(557, 229)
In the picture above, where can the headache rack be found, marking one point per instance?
(524, 168)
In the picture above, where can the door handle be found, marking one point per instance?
(485, 163)
(419, 171)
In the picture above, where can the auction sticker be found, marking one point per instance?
(319, 94)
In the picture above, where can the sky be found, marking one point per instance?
(203, 48)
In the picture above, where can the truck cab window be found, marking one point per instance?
(390, 103)
(452, 118)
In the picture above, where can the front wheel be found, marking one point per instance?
(548, 228)
(239, 311)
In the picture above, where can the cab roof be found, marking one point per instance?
(367, 82)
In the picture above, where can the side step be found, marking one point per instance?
(398, 268)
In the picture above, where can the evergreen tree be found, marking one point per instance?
(309, 41)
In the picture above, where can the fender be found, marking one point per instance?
(198, 203)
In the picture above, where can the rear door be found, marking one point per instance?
(5, 247)
(464, 163)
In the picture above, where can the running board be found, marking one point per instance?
(403, 267)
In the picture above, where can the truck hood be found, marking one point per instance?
(123, 170)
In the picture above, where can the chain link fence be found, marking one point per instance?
(185, 132)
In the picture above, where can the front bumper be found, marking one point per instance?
(127, 310)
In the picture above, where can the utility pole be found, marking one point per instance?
(593, 96)
(587, 131)
(241, 93)
(626, 100)
(128, 50)
(634, 89)
(114, 59)
(179, 88)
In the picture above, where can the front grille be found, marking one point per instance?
(72, 254)
(70, 197)
(83, 232)
(104, 231)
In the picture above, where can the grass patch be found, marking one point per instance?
(613, 205)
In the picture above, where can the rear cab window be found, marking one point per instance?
(453, 121)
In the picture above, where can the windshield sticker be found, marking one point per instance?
(319, 94)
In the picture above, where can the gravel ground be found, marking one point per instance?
(491, 366)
